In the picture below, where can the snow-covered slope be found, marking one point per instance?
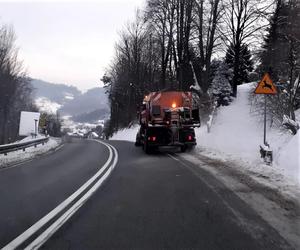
(46, 105)
(236, 133)
(233, 131)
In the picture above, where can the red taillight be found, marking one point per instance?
(190, 138)
(152, 138)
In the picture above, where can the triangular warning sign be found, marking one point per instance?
(266, 86)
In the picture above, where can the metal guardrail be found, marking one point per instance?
(4, 149)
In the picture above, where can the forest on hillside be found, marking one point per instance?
(206, 46)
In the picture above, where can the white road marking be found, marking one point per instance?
(38, 225)
(39, 241)
(174, 158)
(59, 147)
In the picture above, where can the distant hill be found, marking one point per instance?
(68, 100)
(93, 99)
(59, 93)
(91, 117)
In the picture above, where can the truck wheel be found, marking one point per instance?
(191, 148)
(138, 139)
(146, 148)
(137, 142)
(183, 148)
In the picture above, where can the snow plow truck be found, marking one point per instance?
(167, 118)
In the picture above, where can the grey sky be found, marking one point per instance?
(68, 42)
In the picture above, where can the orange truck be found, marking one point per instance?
(167, 118)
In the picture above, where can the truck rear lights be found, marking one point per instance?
(152, 138)
(190, 138)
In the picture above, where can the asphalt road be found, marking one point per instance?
(154, 201)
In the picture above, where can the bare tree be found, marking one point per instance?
(160, 16)
(206, 19)
(14, 87)
(242, 20)
(131, 73)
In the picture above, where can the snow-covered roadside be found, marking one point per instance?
(236, 135)
(31, 152)
(127, 134)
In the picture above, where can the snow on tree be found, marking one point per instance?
(220, 87)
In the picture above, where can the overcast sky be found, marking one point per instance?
(68, 42)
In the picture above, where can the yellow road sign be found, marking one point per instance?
(266, 86)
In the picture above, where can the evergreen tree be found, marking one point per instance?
(281, 55)
(245, 63)
(220, 87)
(274, 51)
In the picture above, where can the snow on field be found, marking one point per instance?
(31, 152)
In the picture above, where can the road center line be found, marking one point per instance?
(38, 225)
(40, 240)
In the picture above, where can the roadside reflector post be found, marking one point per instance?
(266, 87)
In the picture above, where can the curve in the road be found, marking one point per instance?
(68, 207)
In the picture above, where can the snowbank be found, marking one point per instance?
(236, 134)
(288, 157)
(31, 138)
(232, 131)
(26, 139)
(127, 134)
(31, 152)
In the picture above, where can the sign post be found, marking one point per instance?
(265, 122)
(266, 87)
